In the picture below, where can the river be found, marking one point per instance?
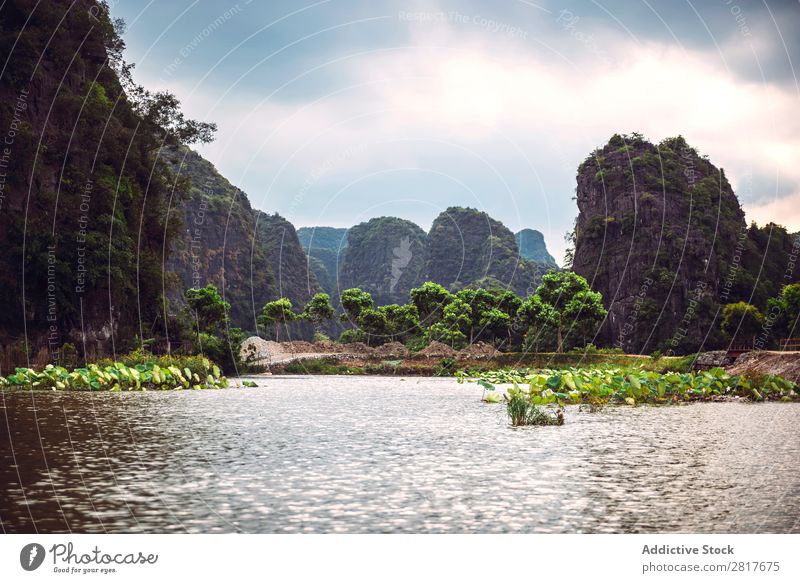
(377, 454)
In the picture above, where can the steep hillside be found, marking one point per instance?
(384, 256)
(324, 247)
(84, 200)
(252, 257)
(532, 247)
(656, 234)
(466, 246)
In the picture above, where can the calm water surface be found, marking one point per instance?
(338, 454)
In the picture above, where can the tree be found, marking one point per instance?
(318, 309)
(456, 321)
(480, 301)
(441, 332)
(585, 313)
(207, 307)
(373, 323)
(401, 321)
(215, 337)
(354, 301)
(457, 315)
(741, 320)
(563, 306)
(277, 313)
(430, 299)
(784, 312)
(540, 320)
(496, 323)
(508, 302)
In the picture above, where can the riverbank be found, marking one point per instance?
(436, 359)
(394, 359)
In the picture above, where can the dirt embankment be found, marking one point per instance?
(785, 364)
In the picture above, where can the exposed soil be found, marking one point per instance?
(392, 349)
(785, 364)
(479, 351)
(437, 350)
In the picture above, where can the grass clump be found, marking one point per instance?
(521, 411)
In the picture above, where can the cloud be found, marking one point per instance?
(464, 114)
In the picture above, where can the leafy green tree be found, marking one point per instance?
(354, 301)
(508, 302)
(454, 325)
(741, 320)
(214, 335)
(441, 332)
(430, 299)
(401, 321)
(541, 321)
(564, 307)
(480, 301)
(318, 309)
(583, 315)
(373, 322)
(277, 313)
(496, 323)
(457, 315)
(208, 308)
(784, 312)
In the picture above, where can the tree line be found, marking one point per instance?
(563, 313)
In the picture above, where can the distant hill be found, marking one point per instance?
(330, 238)
(468, 247)
(324, 246)
(386, 257)
(532, 246)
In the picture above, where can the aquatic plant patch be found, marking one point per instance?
(599, 386)
(119, 377)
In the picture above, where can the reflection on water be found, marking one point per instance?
(337, 454)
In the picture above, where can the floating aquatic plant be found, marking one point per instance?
(199, 373)
(530, 392)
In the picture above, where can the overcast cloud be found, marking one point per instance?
(334, 112)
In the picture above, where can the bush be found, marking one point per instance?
(352, 335)
(446, 367)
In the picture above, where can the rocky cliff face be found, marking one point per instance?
(252, 257)
(386, 257)
(466, 246)
(532, 247)
(324, 247)
(83, 198)
(656, 234)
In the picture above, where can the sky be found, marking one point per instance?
(331, 112)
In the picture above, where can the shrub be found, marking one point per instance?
(351, 335)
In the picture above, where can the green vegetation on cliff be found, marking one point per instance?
(250, 256)
(86, 201)
(468, 247)
(384, 256)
